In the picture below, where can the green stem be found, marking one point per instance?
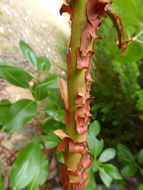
(75, 78)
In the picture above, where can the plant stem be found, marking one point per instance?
(9, 151)
(41, 138)
(75, 76)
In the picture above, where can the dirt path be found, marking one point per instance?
(37, 22)
(46, 10)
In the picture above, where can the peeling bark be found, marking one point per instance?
(85, 16)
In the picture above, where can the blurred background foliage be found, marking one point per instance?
(117, 90)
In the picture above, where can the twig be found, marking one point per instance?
(9, 151)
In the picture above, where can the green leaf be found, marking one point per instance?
(140, 187)
(105, 177)
(43, 63)
(129, 170)
(52, 125)
(59, 156)
(19, 114)
(94, 168)
(51, 140)
(1, 183)
(95, 146)
(130, 9)
(15, 75)
(107, 154)
(140, 156)
(99, 144)
(112, 171)
(94, 128)
(40, 90)
(50, 82)
(92, 184)
(4, 107)
(124, 154)
(30, 167)
(134, 53)
(58, 116)
(28, 53)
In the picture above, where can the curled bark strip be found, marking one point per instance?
(68, 1)
(88, 108)
(61, 134)
(85, 162)
(88, 86)
(80, 175)
(78, 147)
(96, 7)
(95, 10)
(82, 97)
(73, 146)
(64, 176)
(64, 91)
(79, 98)
(80, 111)
(88, 33)
(61, 147)
(67, 117)
(88, 75)
(83, 175)
(118, 24)
(83, 62)
(66, 9)
(82, 125)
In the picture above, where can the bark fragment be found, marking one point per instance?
(66, 9)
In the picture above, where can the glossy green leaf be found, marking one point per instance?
(43, 63)
(105, 177)
(107, 154)
(15, 75)
(4, 107)
(40, 90)
(94, 128)
(30, 168)
(124, 154)
(28, 53)
(92, 184)
(41, 174)
(129, 170)
(140, 156)
(1, 183)
(112, 171)
(19, 114)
